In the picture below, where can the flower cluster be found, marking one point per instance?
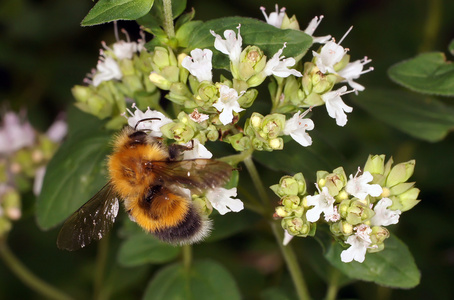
(357, 209)
(24, 154)
(121, 74)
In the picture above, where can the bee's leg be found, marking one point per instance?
(175, 150)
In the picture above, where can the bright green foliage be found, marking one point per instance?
(110, 10)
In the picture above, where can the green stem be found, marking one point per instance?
(277, 97)
(237, 158)
(432, 25)
(27, 277)
(101, 261)
(287, 251)
(292, 262)
(333, 287)
(168, 18)
(187, 257)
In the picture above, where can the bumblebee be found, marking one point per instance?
(151, 181)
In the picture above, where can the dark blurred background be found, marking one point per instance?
(44, 52)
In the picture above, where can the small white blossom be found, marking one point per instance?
(107, 69)
(15, 135)
(359, 186)
(135, 121)
(222, 200)
(334, 217)
(323, 203)
(227, 104)
(199, 64)
(335, 106)
(313, 24)
(287, 238)
(231, 45)
(198, 117)
(330, 54)
(279, 65)
(359, 242)
(296, 127)
(353, 70)
(275, 18)
(384, 216)
(124, 50)
(198, 151)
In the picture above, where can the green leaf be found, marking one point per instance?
(205, 280)
(393, 267)
(419, 116)
(75, 173)
(110, 10)
(254, 32)
(427, 73)
(144, 248)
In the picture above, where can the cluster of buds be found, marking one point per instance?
(357, 208)
(24, 153)
(120, 75)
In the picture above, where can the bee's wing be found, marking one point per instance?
(195, 174)
(90, 222)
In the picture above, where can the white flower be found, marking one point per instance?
(330, 54)
(231, 45)
(296, 127)
(199, 65)
(221, 199)
(313, 24)
(124, 50)
(334, 217)
(139, 120)
(323, 202)
(227, 104)
(335, 106)
(359, 186)
(14, 135)
(198, 117)
(353, 70)
(359, 242)
(278, 65)
(384, 216)
(287, 238)
(107, 69)
(198, 151)
(275, 18)
(39, 178)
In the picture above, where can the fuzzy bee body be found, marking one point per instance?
(151, 181)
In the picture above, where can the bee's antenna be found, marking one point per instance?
(143, 120)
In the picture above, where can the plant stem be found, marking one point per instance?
(277, 97)
(432, 25)
(292, 262)
(101, 260)
(333, 287)
(287, 251)
(187, 257)
(27, 277)
(168, 18)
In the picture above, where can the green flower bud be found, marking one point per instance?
(179, 131)
(400, 173)
(160, 81)
(127, 67)
(281, 212)
(296, 226)
(247, 99)
(252, 62)
(299, 177)
(240, 142)
(406, 200)
(375, 164)
(276, 144)
(290, 202)
(213, 135)
(335, 181)
(313, 99)
(207, 94)
(400, 188)
(378, 235)
(378, 248)
(273, 125)
(290, 23)
(345, 228)
(202, 205)
(180, 94)
(358, 212)
(343, 208)
(132, 83)
(162, 58)
(11, 204)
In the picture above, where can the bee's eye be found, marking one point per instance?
(138, 137)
